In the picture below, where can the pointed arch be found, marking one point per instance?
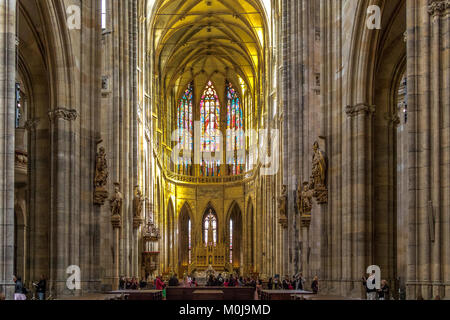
(210, 226)
(185, 242)
(210, 129)
(234, 235)
(235, 131)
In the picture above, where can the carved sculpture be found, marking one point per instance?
(116, 202)
(319, 174)
(101, 178)
(138, 203)
(282, 203)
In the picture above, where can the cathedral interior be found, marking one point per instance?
(256, 137)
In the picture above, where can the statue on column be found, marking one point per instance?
(138, 204)
(282, 206)
(304, 201)
(101, 178)
(319, 174)
(116, 202)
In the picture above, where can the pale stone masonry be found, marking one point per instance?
(7, 154)
(375, 100)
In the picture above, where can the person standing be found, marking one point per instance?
(19, 293)
(41, 288)
(300, 285)
(270, 284)
(315, 285)
(383, 293)
(371, 291)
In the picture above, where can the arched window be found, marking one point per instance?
(184, 124)
(210, 228)
(402, 99)
(235, 132)
(103, 14)
(210, 119)
(231, 241)
(190, 241)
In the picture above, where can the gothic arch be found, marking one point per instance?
(185, 234)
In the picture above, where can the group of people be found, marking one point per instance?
(372, 292)
(21, 292)
(132, 283)
(297, 282)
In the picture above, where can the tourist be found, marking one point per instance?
(122, 283)
(276, 283)
(143, 284)
(194, 283)
(2, 297)
(41, 288)
(159, 284)
(226, 283)
(315, 285)
(370, 292)
(258, 290)
(20, 291)
(173, 281)
(300, 285)
(211, 281)
(220, 280)
(270, 284)
(134, 284)
(286, 283)
(383, 293)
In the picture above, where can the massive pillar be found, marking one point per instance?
(7, 125)
(429, 141)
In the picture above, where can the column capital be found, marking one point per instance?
(438, 7)
(64, 114)
(360, 109)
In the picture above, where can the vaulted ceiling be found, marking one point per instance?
(205, 40)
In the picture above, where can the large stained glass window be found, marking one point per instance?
(185, 126)
(235, 132)
(210, 119)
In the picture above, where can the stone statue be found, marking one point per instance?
(101, 178)
(138, 202)
(116, 201)
(306, 198)
(282, 203)
(101, 169)
(319, 174)
(319, 168)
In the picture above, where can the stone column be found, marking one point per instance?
(62, 145)
(7, 125)
(116, 222)
(428, 157)
(360, 117)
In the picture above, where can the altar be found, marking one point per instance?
(212, 258)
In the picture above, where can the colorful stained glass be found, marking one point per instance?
(210, 119)
(235, 132)
(185, 129)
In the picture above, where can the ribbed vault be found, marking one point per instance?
(205, 40)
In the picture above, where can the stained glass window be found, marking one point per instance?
(235, 132)
(190, 241)
(103, 14)
(210, 119)
(231, 241)
(185, 126)
(210, 228)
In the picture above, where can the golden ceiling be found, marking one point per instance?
(205, 40)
